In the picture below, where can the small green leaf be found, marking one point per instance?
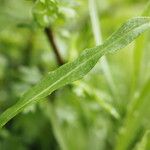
(79, 68)
(45, 12)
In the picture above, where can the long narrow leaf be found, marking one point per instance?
(78, 68)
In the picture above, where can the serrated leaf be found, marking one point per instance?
(79, 68)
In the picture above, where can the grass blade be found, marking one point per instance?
(134, 119)
(138, 56)
(80, 67)
(144, 144)
(98, 40)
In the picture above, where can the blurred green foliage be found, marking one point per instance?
(86, 115)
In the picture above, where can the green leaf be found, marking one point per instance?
(134, 119)
(138, 55)
(138, 109)
(95, 94)
(79, 68)
(45, 12)
(144, 144)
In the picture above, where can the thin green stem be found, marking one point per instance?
(98, 40)
(95, 22)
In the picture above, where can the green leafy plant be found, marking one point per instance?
(80, 67)
(100, 100)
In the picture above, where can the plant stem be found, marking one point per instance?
(49, 111)
(98, 40)
(52, 42)
(95, 22)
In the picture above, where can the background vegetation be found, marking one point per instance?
(107, 109)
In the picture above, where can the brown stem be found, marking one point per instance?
(51, 39)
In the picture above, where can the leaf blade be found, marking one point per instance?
(80, 67)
